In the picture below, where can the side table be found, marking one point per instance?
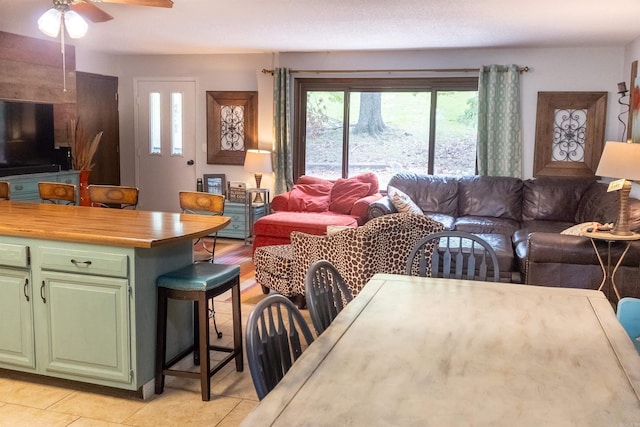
(250, 217)
(608, 273)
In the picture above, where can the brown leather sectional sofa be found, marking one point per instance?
(522, 219)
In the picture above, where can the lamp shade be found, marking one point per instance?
(258, 161)
(76, 26)
(620, 160)
(49, 22)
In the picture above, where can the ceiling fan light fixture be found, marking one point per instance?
(49, 22)
(74, 23)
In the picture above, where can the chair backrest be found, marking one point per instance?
(326, 293)
(454, 255)
(196, 201)
(55, 192)
(4, 190)
(628, 314)
(113, 196)
(274, 334)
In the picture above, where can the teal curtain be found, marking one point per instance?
(499, 134)
(282, 149)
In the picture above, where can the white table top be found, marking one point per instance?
(413, 351)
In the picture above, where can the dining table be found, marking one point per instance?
(416, 351)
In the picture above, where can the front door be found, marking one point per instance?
(165, 142)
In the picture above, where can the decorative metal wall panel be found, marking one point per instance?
(569, 133)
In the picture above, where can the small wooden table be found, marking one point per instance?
(608, 274)
(420, 351)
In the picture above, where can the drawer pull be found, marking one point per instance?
(26, 286)
(77, 263)
(19, 187)
(42, 293)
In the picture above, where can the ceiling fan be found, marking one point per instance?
(66, 15)
(89, 10)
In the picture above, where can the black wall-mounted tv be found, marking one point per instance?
(26, 138)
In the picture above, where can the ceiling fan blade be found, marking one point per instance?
(90, 11)
(155, 3)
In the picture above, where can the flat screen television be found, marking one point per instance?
(26, 138)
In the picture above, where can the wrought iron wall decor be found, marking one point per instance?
(569, 133)
(232, 126)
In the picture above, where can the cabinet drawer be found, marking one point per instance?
(82, 262)
(24, 187)
(14, 255)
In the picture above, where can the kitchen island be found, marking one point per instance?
(78, 293)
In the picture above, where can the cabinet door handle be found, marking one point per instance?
(44, 300)
(26, 287)
(77, 263)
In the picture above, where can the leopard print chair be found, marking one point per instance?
(382, 245)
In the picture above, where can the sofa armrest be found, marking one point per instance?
(380, 207)
(560, 248)
(360, 208)
(280, 202)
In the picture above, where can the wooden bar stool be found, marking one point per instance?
(198, 283)
(56, 192)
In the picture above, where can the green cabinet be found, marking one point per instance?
(84, 299)
(242, 219)
(25, 187)
(16, 307)
(16, 319)
(87, 322)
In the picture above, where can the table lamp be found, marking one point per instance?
(621, 160)
(258, 162)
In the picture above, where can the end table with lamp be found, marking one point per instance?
(619, 160)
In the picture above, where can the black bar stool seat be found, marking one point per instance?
(198, 283)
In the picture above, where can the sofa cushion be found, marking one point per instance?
(402, 201)
(345, 192)
(597, 205)
(486, 224)
(309, 198)
(490, 196)
(432, 193)
(554, 199)
(533, 226)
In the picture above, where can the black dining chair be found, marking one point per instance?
(326, 293)
(454, 255)
(276, 336)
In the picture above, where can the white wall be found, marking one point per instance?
(571, 69)
(211, 73)
(557, 69)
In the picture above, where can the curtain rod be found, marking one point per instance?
(417, 70)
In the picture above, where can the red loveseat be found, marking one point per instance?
(315, 203)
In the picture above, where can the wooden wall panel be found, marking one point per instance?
(31, 70)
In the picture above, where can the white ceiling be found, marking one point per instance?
(243, 26)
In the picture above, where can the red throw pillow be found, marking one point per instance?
(370, 178)
(345, 192)
(308, 179)
(309, 198)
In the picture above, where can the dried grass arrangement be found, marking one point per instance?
(83, 150)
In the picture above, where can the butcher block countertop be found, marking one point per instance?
(113, 227)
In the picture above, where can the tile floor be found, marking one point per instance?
(25, 402)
